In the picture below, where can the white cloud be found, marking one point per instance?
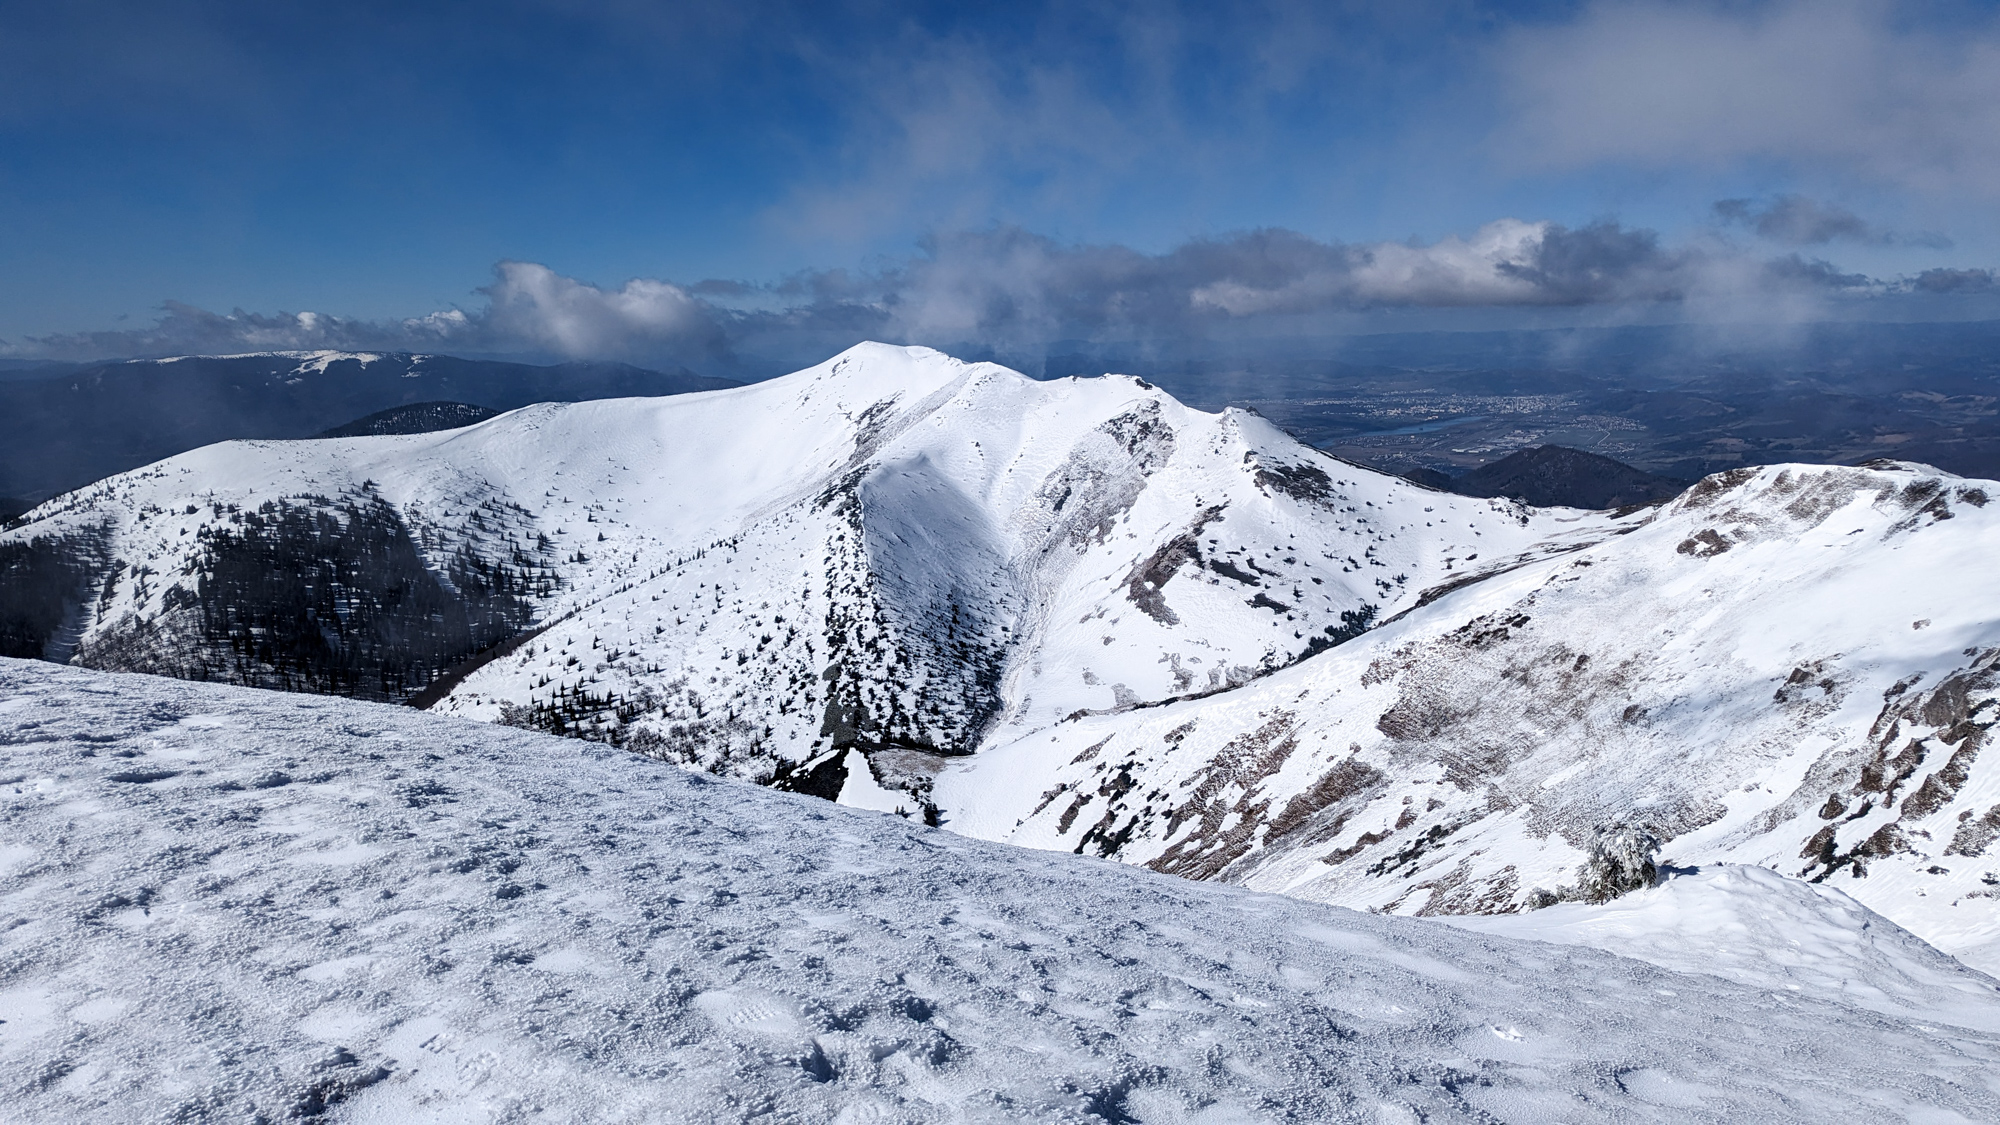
(1488, 268)
(540, 310)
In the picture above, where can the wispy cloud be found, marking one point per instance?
(530, 310)
(1795, 220)
(1847, 86)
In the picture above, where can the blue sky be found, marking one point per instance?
(494, 177)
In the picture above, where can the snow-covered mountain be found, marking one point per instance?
(230, 905)
(892, 558)
(1078, 615)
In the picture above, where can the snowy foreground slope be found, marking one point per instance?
(227, 904)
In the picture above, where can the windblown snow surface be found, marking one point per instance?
(228, 904)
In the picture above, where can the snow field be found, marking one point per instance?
(1755, 926)
(222, 903)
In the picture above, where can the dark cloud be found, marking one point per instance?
(1601, 262)
(1956, 281)
(1008, 284)
(1796, 220)
(1815, 273)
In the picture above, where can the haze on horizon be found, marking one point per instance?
(737, 186)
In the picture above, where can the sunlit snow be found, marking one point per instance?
(226, 904)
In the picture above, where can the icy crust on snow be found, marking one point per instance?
(222, 903)
(892, 551)
(1793, 668)
(1760, 928)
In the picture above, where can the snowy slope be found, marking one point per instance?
(1792, 667)
(1757, 927)
(888, 559)
(226, 904)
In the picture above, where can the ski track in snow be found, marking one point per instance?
(226, 904)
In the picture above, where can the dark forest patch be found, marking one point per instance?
(331, 597)
(42, 582)
(416, 418)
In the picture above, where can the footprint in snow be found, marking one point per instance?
(748, 1010)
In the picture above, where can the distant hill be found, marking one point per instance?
(61, 432)
(1554, 476)
(1429, 478)
(417, 418)
(35, 368)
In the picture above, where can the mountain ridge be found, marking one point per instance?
(92, 421)
(1556, 476)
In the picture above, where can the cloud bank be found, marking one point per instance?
(1010, 291)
